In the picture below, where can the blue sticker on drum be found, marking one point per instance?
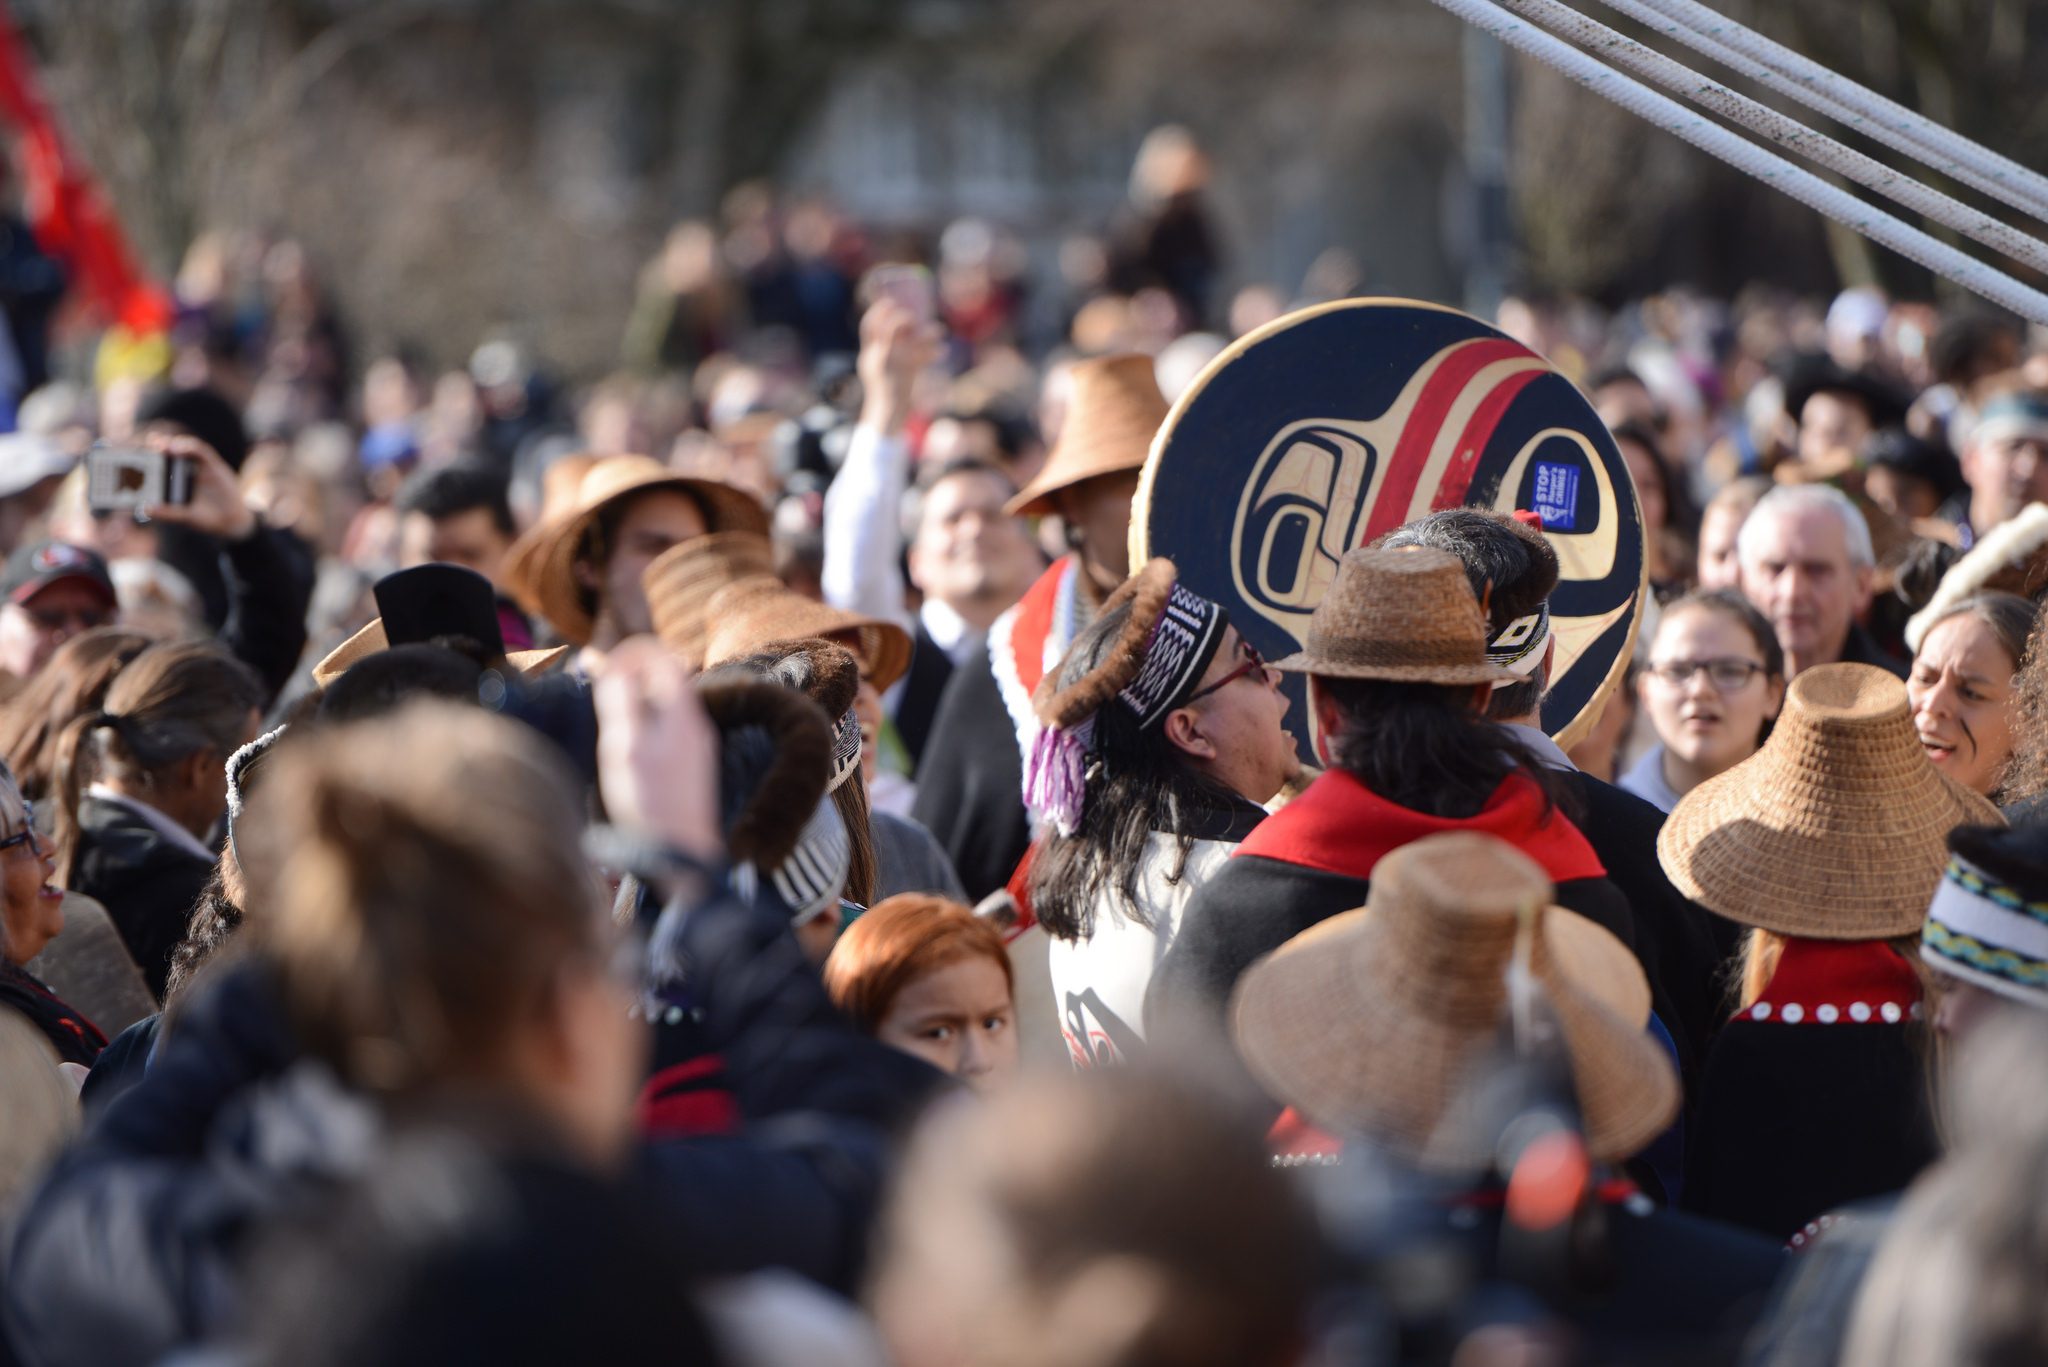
(1329, 428)
(1557, 496)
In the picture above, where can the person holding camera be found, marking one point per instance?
(191, 501)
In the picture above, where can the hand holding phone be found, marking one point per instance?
(127, 479)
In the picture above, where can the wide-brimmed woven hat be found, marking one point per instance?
(1837, 829)
(1377, 1020)
(681, 581)
(1115, 412)
(744, 616)
(1406, 615)
(426, 602)
(540, 566)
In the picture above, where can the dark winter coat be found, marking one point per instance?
(970, 785)
(135, 1244)
(1816, 1096)
(1313, 859)
(147, 883)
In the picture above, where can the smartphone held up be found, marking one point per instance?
(127, 479)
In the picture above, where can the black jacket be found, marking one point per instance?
(970, 786)
(1862, 649)
(917, 706)
(1683, 947)
(1254, 905)
(1678, 1290)
(1794, 1121)
(134, 1246)
(1798, 1116)
(256, 592)
(147, 884)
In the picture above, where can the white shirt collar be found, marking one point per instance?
(155, 820)
(949, 631)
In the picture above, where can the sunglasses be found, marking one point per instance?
(1253, 662)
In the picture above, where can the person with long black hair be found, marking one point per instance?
(1399, 677)
(1176, 727)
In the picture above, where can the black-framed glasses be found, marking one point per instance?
(1727, 673)
(27, 835)
(1252, 662)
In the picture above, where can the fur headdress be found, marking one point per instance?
(826, 673)
(775, 762)
(2013, 556)
(1161, 652)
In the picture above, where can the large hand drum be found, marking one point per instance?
(1326, 428)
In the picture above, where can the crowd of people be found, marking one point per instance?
(733, 863)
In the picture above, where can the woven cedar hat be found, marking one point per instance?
(1375, 1020)
(429, 601)
(1406, 615)
(1116, 411)
(1836, 829)
(540, 567)
(748, 614)
(682, 579)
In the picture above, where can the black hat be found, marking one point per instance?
(204, 414)
(1807, 376)
(427, 601)
(1916, 458)
(35, 567)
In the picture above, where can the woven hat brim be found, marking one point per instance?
(540, 567)
(1308, 662)
(371, 639)
(1036, 498)
(1326, 1025)
(884, 647)
(676, 597)
(1859, 875)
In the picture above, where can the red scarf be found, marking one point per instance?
(1340, 826)
(1034, 622)
(1838, 982)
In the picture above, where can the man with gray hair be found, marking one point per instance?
(1807, 564)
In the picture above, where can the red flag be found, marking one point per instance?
(68, 215)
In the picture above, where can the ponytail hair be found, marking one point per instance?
(411, 934)
(171, 702)
(75, 681)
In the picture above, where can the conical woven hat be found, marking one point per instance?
(680, 583)
(540, 566)
(1405, 615)
(1836, 829)
(1116, 411)
(1375, 1020)
(745, 616)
